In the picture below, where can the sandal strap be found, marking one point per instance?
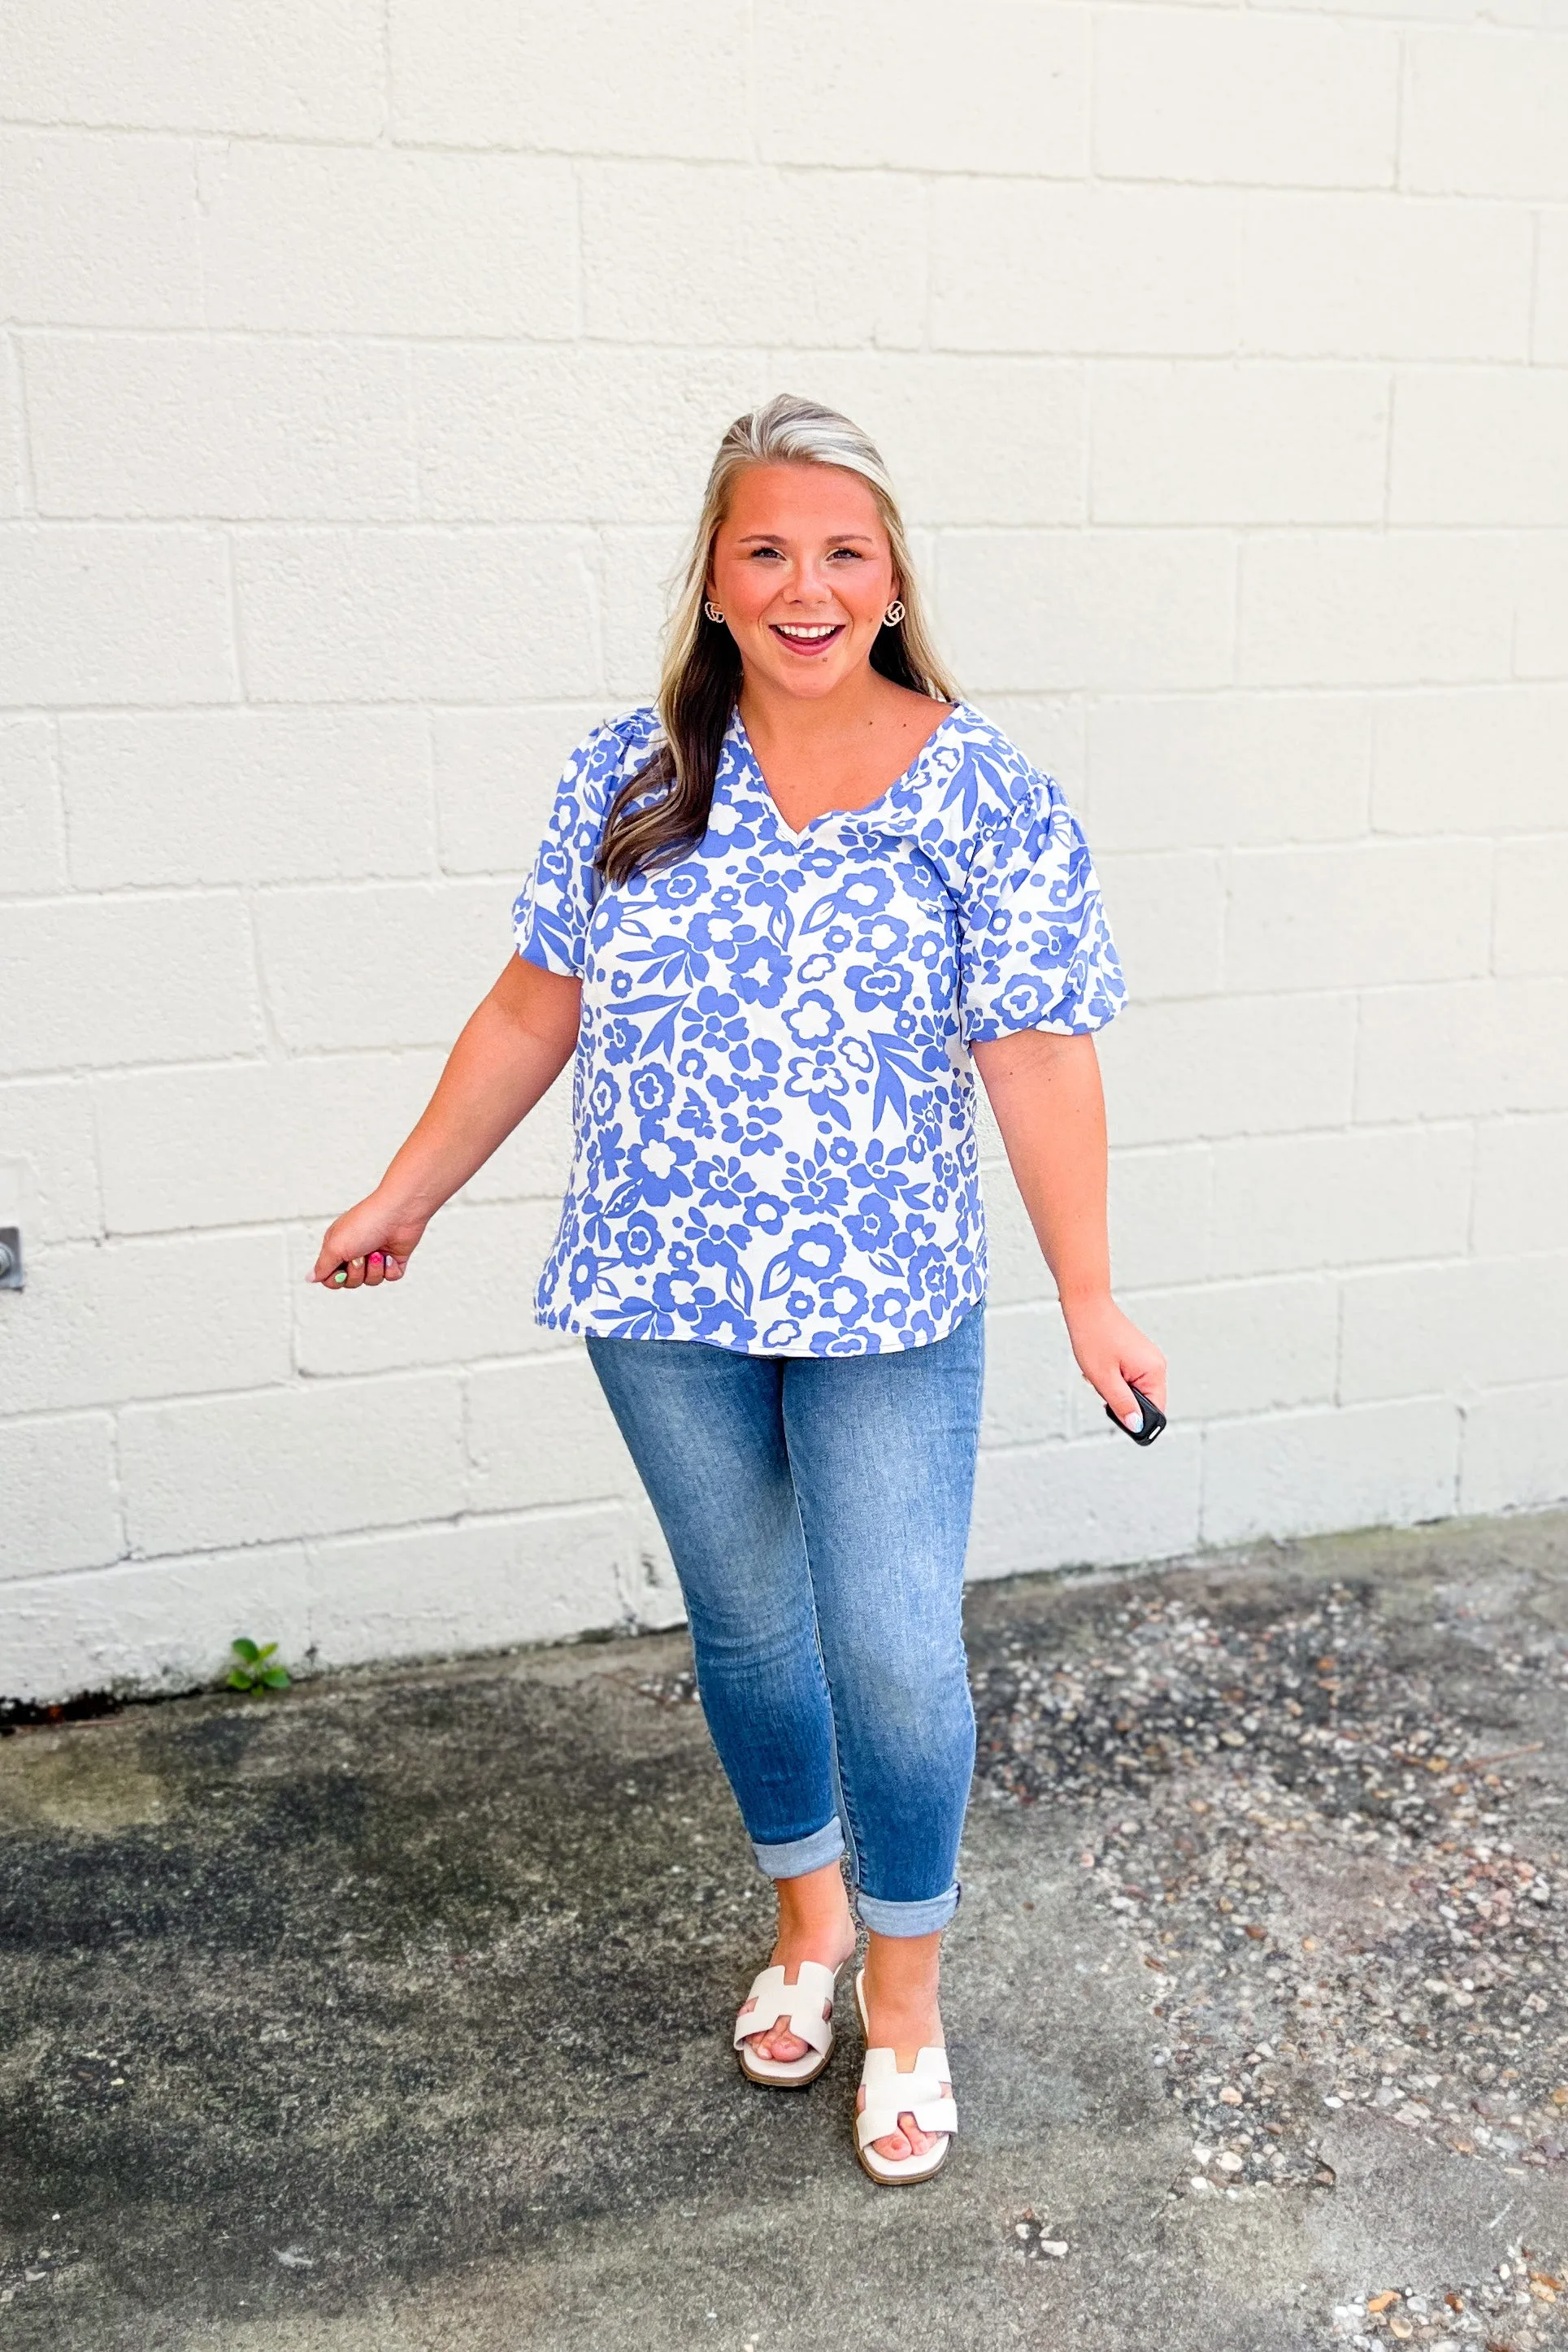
(798, 2006)
(889, 2094)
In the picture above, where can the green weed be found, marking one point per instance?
(251, 1671)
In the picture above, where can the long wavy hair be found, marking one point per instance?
(662, 811)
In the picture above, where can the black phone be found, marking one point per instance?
(1153, 1419)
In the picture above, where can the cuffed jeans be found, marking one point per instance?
(817, 1512)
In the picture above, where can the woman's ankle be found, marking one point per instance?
(814, 1911)
(904, 1976)
(826, 1941)
(831, 1939)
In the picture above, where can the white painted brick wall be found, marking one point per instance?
(359, 362)
(1551, 345)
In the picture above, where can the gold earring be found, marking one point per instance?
(894, 614)
(711, 609)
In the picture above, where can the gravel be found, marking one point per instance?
(1346, 1890)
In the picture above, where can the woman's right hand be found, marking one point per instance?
(368, 1245)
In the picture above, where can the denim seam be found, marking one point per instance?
(846, 1818)
(841, 1791)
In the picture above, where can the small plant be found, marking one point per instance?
(251, 1671)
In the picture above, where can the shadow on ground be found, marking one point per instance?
(394, 2013)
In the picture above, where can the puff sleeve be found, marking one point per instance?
(1035, 950)
(550, 916)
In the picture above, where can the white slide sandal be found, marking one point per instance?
(889, 2094)
(799, 2008)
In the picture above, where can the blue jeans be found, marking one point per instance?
(817, 1512)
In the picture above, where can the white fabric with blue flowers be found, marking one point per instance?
(773, 1101)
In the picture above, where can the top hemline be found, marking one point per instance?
(771, 1355)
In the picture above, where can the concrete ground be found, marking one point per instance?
(393, 2011)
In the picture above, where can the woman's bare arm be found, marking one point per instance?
(513, 1048)
(1045, 1090)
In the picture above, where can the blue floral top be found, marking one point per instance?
(773, 1103)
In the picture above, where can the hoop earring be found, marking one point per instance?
(711, 609)
(894, 614)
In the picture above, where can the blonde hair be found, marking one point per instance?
(663, 810)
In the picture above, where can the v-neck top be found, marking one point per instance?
(773, 1102)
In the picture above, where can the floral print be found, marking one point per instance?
(773, 1101)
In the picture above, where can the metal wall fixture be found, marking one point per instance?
(10, 1258)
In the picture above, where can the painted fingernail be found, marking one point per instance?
(376, 1258)
(1135, 1422)
(342, 1275)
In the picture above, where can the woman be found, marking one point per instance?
(779, 918)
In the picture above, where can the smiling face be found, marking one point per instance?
(803, 573)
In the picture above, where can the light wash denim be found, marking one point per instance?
(817, 1512)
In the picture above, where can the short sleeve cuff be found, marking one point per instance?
(548, 941)
(1078, 1019)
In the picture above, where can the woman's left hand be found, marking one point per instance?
(1113, 1352)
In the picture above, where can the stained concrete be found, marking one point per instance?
(393, 2011)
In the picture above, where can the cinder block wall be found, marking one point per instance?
(362, 362)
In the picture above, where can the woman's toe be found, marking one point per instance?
(907, 2140)
(782, 2049)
